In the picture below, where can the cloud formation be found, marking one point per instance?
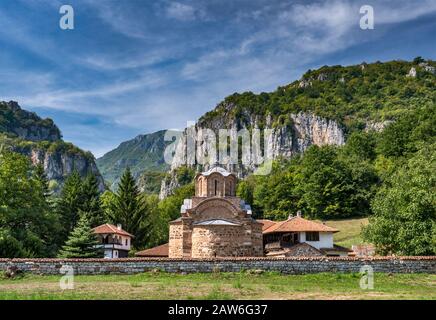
(141, 66)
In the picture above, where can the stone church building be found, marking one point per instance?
(215, 223)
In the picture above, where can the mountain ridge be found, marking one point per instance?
(41, 141)
(324, 106)
(140, 154)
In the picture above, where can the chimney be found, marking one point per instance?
(290, 216)
(299, 213)
(119, 226)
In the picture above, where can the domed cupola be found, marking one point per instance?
(216, 182)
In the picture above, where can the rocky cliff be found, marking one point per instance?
(26, 125)
(294, 136)
(40, 140)
(322, 107)
(58, 164)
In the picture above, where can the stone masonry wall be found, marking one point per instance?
(257, 239)
(176, 240)
(223, 241)
(294, 265)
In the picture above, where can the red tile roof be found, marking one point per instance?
(111, 229)
(336, 248)
(265, 223)
(298, 224)
(159, 251)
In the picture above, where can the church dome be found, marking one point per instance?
(216, 181)
(220, 170)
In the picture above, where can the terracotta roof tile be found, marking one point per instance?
(298, 224)
(336, 248)
(159, 251)
(266, 223)
(110, 229)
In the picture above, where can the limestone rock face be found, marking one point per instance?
(412, 73)
(302, 131)
(376, 126)
(58, 165)
(427, 67)
(168, 186)
(40, 139)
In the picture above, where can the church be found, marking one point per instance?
(215, 222)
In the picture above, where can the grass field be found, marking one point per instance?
(349, 231)
(222, 286)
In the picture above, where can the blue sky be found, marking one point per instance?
(132, 66)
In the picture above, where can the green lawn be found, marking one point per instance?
(349, 231)
(222, 286)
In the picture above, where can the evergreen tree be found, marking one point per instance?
(82, 242)
(40, 176)
(130, 210)
(91, 201)
(70, 202)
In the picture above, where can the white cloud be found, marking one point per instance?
(97, 101)
(398, 11)
(124, 61)
(121, 21)
(180, 11)
(256, 49)
(287, 38)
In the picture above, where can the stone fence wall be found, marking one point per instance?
(289, 265)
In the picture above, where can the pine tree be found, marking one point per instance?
(70, 202)
(130, 210)
(82, 242)
(40, 176)
(91, 201)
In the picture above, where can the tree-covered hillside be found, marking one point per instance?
(388, 176)
(353, 95)
(145, 153)
(27, 125)
(358, 97)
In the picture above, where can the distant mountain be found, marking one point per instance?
(41, 140)
(144, 155)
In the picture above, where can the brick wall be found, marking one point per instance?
(285, 265)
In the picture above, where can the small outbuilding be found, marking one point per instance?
(115, 241)
(300, 237)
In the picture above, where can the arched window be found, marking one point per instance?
(216, 187)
